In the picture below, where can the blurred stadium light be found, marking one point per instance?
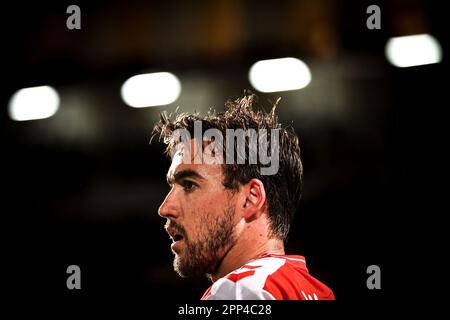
(279, 75)
(33, 103)
(415, 50)
(151, 89)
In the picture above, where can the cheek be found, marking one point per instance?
(193, 220)
(202, 211)
(215, 199)
(200, 219)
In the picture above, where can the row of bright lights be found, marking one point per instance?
(162, 88)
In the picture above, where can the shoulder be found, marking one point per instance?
(248, 282)
(270, 278)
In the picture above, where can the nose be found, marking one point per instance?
(169, 208)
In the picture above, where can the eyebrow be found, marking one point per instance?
(183, 174)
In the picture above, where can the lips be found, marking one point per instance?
(174, 234)
(177, 237)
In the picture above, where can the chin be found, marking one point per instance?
(187, 270)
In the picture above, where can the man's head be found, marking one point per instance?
(210, 203)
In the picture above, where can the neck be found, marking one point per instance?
(245, 250)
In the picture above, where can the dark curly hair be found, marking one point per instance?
(284, 188)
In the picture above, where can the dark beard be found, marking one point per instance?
(204, 256)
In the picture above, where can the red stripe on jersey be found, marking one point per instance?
(235, 277)
(293, 282)
(207, 293)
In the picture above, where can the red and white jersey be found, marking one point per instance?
(270, 277)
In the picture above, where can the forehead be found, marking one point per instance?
(180, 162)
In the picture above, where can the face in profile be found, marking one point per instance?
(200, 215)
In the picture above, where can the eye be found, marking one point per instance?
(188, 185)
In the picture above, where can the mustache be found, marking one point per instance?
(172, 225)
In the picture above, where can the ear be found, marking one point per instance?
(254, 200)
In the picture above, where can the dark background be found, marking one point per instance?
(83, 187)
